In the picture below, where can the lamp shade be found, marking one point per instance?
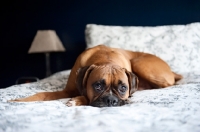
(46, 41)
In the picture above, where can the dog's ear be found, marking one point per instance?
(81, 80)
(133, 82)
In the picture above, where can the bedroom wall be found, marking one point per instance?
(20, 21)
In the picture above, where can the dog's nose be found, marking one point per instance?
(111, 101)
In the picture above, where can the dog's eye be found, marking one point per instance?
(98, 87)
(122, 89)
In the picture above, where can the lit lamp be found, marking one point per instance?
(46, 41)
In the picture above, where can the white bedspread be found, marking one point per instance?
(174, 109)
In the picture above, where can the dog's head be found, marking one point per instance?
(106, 85)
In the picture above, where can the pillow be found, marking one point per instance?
(178, 45)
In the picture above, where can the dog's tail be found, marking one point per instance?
(177, 76)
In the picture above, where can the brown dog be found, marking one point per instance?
(103, 76)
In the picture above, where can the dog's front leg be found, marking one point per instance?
(43, 96)
(77, 101)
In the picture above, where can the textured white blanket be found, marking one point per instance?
(173, 109)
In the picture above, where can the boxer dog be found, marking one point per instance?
(105, 77)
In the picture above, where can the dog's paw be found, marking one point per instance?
(70, 103)
(77, 101)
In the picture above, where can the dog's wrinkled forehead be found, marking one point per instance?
(108, 72)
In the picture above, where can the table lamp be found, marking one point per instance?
(46, 41)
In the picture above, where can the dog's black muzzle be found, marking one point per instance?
(108, 101)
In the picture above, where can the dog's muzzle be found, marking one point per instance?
(108, 101)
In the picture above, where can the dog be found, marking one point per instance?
(106, 77)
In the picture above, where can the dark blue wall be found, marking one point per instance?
(20, 20)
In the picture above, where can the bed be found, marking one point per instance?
(175, 108)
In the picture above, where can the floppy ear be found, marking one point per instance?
(81, 80)
(133, 82)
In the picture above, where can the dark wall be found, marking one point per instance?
(20, 21)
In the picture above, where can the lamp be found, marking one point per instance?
(46, 41)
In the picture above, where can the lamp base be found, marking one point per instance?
(48, 69)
